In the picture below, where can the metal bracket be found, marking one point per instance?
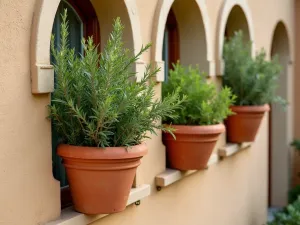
(137, 202)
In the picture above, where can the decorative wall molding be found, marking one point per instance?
(42, 74)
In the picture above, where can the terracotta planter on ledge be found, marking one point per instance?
(100, 179)
(193, 146)
(243, 126)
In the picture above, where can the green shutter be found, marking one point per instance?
(166, 54)
(76, 34)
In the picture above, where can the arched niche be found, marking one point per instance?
(280, 126)
(195, 45)
(42, 75)
(235, 15)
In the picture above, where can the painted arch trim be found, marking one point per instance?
(42, 72)
(161, 15)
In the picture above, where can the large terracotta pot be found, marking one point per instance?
(100, 179)
(243, 126)
(193, 146)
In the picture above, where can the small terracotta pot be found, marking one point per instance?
(243, 126)
(100, 179)
(193, 146)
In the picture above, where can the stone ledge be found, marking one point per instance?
(70, 217)
(170, 176)
(232, 148)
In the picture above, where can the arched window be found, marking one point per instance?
(184, 36)
(237, 21)
(83, 22)
(171, 43)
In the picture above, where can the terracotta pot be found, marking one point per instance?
(100, 179)
(193, 146)
(243, 126)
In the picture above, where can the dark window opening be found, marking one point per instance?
(171, 45)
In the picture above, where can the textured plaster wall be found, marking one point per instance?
(229, 193)
(28, 193)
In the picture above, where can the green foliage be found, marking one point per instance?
(204, 105)
(289, 216)
(97, 102)
(296, 144)
(294, 193)
(253, 80)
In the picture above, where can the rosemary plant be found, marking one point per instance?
(97, 102)
(253, 80)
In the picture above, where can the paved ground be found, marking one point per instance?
(271, 211)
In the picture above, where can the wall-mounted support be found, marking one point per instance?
(71, 217)
(170, 176)
(232, 148)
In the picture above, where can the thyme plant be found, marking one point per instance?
(253, 80)
(204, 105)
(96, 102)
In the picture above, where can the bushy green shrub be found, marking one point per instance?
(253, 80)
(97, 103)
(204, 105)
(289, 216)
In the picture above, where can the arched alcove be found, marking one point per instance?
(42, 76)
(237, 21)
(193, 31)
(279, 124)
(235, 15)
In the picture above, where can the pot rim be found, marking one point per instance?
(198, 129)
(84, 152)
(250, 108)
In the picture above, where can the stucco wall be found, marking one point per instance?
(230, 193)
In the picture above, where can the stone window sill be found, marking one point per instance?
(232, 148)
(170, 176)
(70, 217)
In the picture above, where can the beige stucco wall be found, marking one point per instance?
(232, 192)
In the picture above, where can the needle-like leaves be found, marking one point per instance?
(96, 101)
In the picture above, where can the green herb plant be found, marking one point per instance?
(97, 103)
(204, 105)
(288, 216)
(253, 80)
